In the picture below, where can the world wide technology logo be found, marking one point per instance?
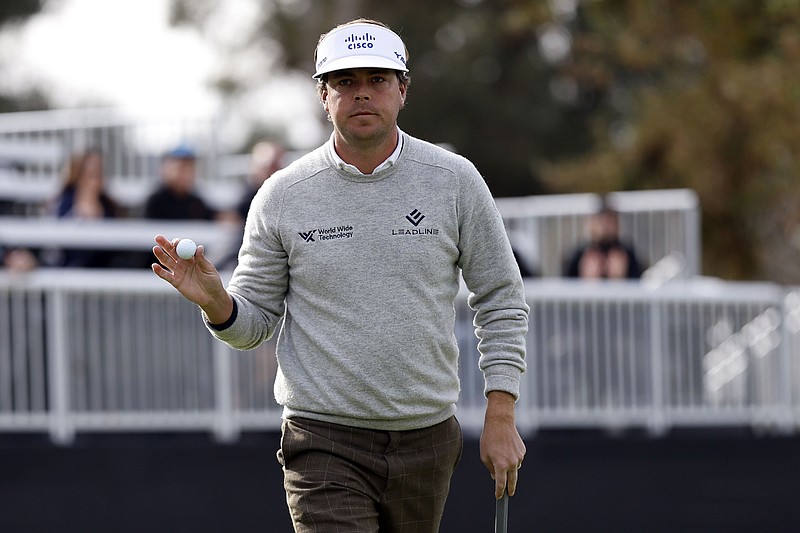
(344, 231)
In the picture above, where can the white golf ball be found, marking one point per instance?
(186, 248)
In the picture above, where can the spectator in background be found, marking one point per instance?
(176, 198)
(17, 259)
(83, 196)
(83, 193)
(584, 356)
(266, 157)
(604, 256)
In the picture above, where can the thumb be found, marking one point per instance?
(200, 256)
(202, 261)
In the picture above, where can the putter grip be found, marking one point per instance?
(501, 514)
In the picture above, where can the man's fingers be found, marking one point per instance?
(164, 258)
(511, 486)
(163, 241)
(499, 485)
(505, 481)
(162, 272)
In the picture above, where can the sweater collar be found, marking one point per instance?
(390, 161)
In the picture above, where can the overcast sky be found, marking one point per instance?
(124, 53)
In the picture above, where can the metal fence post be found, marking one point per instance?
(226, 427)
(62, 430)
(658, 422)
(789, 327)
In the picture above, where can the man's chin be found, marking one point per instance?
(365, 133)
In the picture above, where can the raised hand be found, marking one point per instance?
(196, 279)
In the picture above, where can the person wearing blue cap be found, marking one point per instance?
(175, 198)
(355, 253)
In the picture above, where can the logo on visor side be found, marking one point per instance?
(354, 42)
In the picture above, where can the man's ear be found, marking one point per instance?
(323, 97)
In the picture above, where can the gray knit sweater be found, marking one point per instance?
(364, 270)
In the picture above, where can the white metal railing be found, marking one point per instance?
(121, 351)
(220, 239)
(663, 226)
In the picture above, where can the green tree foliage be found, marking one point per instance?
(479, 82)
(704, 95)
(481, 85)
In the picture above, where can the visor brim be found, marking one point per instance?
(351, 62)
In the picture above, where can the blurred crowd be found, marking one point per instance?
(83, 194)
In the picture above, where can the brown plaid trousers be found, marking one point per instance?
(344, 479)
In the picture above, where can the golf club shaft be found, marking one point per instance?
(501, 514)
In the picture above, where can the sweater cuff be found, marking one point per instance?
(228, 323)
(506, 382)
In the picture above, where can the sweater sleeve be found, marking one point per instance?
(260, 280)
(496, 289)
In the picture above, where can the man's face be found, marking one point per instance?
(603, 227)
(179, 174)
(363, 103)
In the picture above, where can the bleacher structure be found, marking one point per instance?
(34, 147)
(119, 350)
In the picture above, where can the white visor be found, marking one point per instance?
(360, 46)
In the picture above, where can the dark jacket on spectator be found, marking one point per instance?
(164, 204)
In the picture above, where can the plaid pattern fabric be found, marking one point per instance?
(344, 479)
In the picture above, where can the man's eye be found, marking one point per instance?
(378, 79)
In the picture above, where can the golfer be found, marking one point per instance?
(359, 247)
